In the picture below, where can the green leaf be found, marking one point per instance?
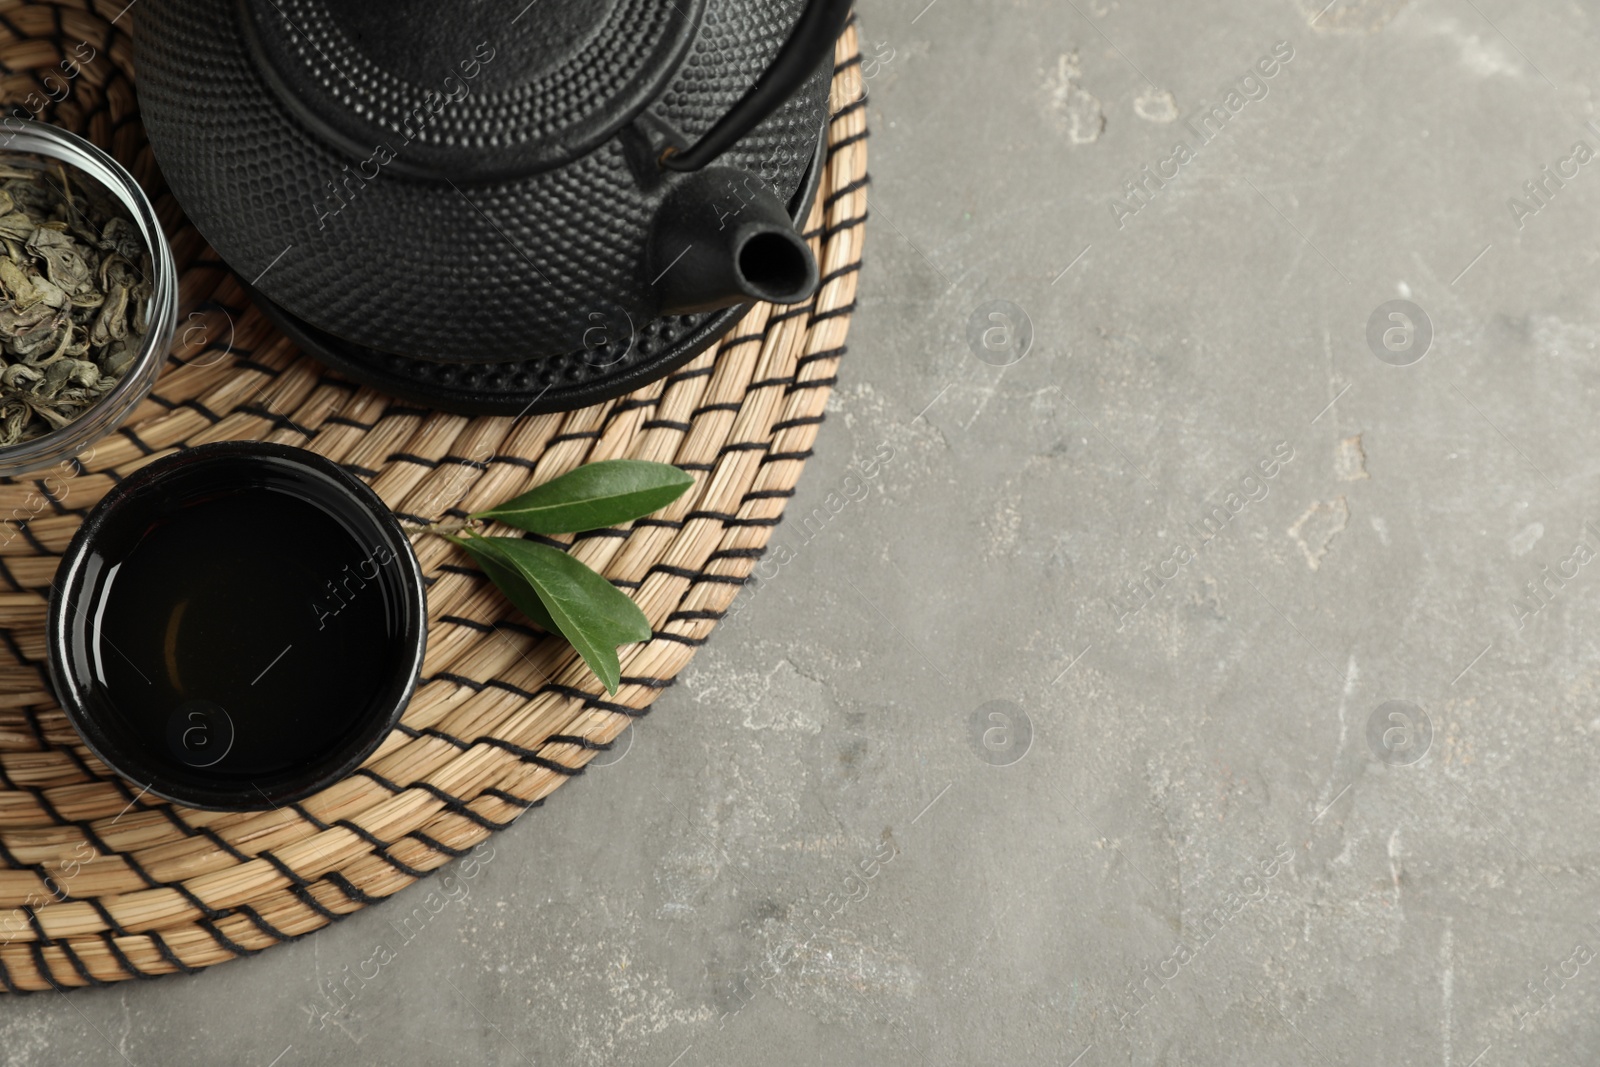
(509, 581)
(593, 496)
(586, 609)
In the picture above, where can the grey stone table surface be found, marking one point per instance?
(1183, 648)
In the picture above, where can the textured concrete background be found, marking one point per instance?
(1028, 753)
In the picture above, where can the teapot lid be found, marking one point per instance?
(473, 90)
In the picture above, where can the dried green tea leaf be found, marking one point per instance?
(74, 297)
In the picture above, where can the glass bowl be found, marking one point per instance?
(26, 144)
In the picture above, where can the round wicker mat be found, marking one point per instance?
(99, 883)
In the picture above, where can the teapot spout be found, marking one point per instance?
(721, 238)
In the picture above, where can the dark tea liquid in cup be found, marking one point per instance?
(237, 625)
(243, 633)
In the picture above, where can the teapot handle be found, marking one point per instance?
(812, 41)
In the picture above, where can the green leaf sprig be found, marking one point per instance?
(554, 590)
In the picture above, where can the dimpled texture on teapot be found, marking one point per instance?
(424, 269)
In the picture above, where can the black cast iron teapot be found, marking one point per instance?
(492, 180)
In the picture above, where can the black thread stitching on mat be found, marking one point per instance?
(457, 806)
(730, 405)
(307, 816)
(241, 361)
(438, 846)
(449, 738)
(514, 690)
(681, 639)
(31, 717)
(841, 273)
(846, 142)
(849, 109)
(122, 958)
(646, 682)
(96, 842)
(42, 965)
(112, 926)
(167, 954)
(77, 964)
(789, 313)
(580, 742)
(224, 940)
(624, 406)
(519, 628)
(743, 446)
(294, 876)
(515, 461)
(390, 785)
(177, 887)
(177, 822)
(48, 808)
(828, 233)
(71, 752)
(33, 921)
(265, 927)
(592, 701)
(736, 553)
(471, 624)
(697, 615)
(686, 375)
(510, 798)
(813, 383)
(204, 412)
(826, 353)
(528, 755)
(380, 849)
(50, 498)
(140, 445)
(33, 542)
(789, 424)
(835, 313)
(349, 889)
(832, 199)
(457, 679)
(306, 897)
(282, 422)
(221, 842)
(16, 653)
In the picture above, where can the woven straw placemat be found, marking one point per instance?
(99, 883)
